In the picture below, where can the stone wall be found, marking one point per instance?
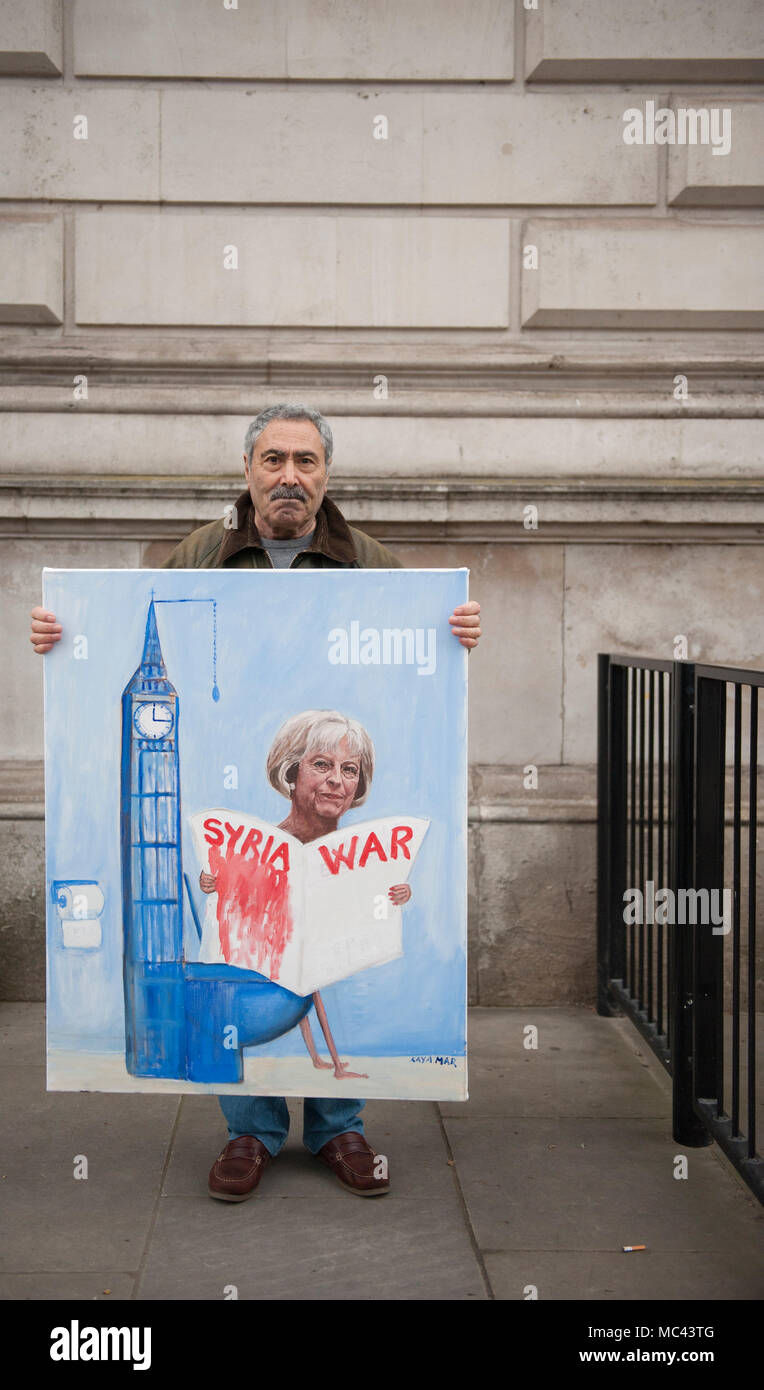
(422, 217)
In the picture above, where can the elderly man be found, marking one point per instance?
(283, 520)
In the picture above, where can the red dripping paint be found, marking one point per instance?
(254, 917)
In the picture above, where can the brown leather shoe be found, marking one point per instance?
(353, 1162)
(238, 1169)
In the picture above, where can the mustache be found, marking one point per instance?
(296, 493)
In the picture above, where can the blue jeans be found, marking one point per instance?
(267, 1117)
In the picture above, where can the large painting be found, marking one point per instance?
(256, 813)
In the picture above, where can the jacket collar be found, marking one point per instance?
(332, 536)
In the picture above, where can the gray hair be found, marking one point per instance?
(318, 730)
(287, 411)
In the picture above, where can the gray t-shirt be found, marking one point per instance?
(282, 552)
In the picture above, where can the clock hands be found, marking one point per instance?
(161, 717)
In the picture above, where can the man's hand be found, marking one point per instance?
(45, 630)
(207, 882)
(465, 623)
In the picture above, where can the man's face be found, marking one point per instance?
(287, 478)
(327, 783)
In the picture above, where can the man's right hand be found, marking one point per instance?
(207, 882)
(45, 630)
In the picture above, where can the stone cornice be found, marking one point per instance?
(721, 398)
(241, 365)
(480, 510)
(192, 487)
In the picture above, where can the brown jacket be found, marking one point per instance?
(239, 546)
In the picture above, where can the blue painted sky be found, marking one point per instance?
(272, 662)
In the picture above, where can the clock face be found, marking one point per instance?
(153, 720)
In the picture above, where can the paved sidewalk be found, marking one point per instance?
(561, 1157)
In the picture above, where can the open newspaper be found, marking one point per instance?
(303, 915)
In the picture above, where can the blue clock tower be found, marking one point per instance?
(152, 877)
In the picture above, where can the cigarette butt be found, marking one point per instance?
(627, 1248)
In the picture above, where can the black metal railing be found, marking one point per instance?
(677, 948)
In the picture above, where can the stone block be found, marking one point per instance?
(41, 158)
(538, 912)
(31, 44)
(180, 39)
(538, 148)
(409, 40)
(643, 274)
(444, 148)
(22, 907)
(699, 177)
(597, 41)
(423, 272)
(86, 442)
(146, 268)
(255, 145)
(545, 447)
(31, 269)
(473, 915)
(637, 599)
(519, 662)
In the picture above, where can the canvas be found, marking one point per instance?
(256, 814)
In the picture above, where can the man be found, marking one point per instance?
(285, 520)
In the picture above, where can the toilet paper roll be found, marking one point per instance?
(78, 902)
(79, 905)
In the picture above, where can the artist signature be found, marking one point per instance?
(437, 1061)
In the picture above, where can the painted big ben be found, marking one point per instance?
(152, 879)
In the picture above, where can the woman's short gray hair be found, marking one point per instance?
(287, 411)
(318, 731)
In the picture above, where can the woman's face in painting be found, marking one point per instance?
(327, 783)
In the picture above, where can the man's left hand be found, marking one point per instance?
(465, 623)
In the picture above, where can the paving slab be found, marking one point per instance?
(89, 1285)
(22, 1035)
(323, 1245)
(592, 1184)
(586, 1275)
(53, 1222)
(582, 1065)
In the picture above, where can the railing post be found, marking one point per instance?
(687, 1127)
(707, 1029)
(604, 810)
(617, 761)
